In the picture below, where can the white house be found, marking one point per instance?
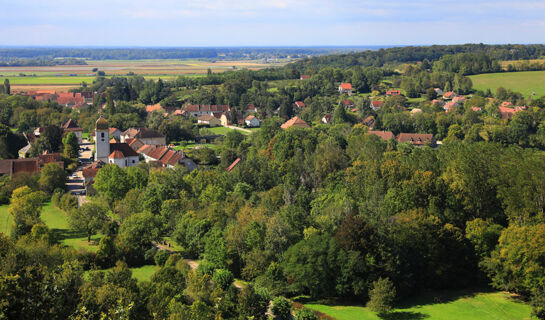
(252, 121)
(147, 136)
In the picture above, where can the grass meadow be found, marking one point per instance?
(524, 82)
(467, 306)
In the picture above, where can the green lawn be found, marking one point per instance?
(144, 273)
(5, 220)
(194, 145)
(224, 130)
(57, 221)
(523, 82)
(479, 306)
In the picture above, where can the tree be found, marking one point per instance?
(52, 177)
(282, 308)
(253, 303)
(7, 87)
(52, 138)
(112, 182)
(138, 231)
(25, 208)
(382, 296)
(71, 145)
(88, 218)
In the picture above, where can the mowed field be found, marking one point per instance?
(481, 306)
(70, 76)
(523, 82)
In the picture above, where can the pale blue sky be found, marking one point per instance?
(268, 23)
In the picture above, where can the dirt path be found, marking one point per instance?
(241, 129)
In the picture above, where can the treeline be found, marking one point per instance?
(223, 53)
(397, 55)
(38, 62)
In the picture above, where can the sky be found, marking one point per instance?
(182, 23)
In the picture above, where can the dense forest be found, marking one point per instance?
(331, 211)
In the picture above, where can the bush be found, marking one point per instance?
(382, 296)
(305, 314)
(149, 255)
(161, 257)
(223, 278)
(282, 308)
(206, 267)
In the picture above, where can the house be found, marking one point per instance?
(506, 104)
(224, 121)
(233, 165)
(386, 135)
(155, 107)
(166, 157)
(120, 154)
(459, 100)
(369, 121)
(345, 88)
(507, 113)
(304, 77)
(213, 110)
(75, 100)
(295, 122)
(393, 93)
(29, 165)
(147, 136)
(449, 95)
(115, 133)
(375, 104)
(252, 108)
(299, 104)
(450, 106)
(90, 171)
(252, 121)
(178, 113)
(437, 102)
(347, 103)
(72, 126)
(209, 120)
(476, 109)
(438, 91)
(417, 139)
(327, 118)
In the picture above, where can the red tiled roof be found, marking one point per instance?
(345, 86)
(347, 102)
(416, 138)
(113, 130)
(449, 95)
(125, 149)
(233, 165)
(206, 117)
(91, 170)
(295, 122)
(116, 155)
(377, 104)
(386, 135)
(393, 93)
(507, 113)
(299, 104)
(155, 107)
(305, 77)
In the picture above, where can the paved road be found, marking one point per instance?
(75, 181)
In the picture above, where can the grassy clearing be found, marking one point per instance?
(478, 306)
(523, 82)
(224, 130)
(190, 146)
(144, 273)
(5, 220)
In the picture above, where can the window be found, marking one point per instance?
(133, 161)
(102, 134)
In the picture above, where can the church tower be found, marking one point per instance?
(102, 140)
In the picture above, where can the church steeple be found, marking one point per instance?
(102, 140)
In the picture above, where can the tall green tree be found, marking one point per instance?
(52, 177)
(88, 218)
(71, 146)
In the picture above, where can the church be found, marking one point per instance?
(120, 154)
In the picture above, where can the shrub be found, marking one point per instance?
(305, 314)
(161, 257)
(282, 308)
(382, 296)
(223, 278)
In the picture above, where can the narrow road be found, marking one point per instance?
(238, 128)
